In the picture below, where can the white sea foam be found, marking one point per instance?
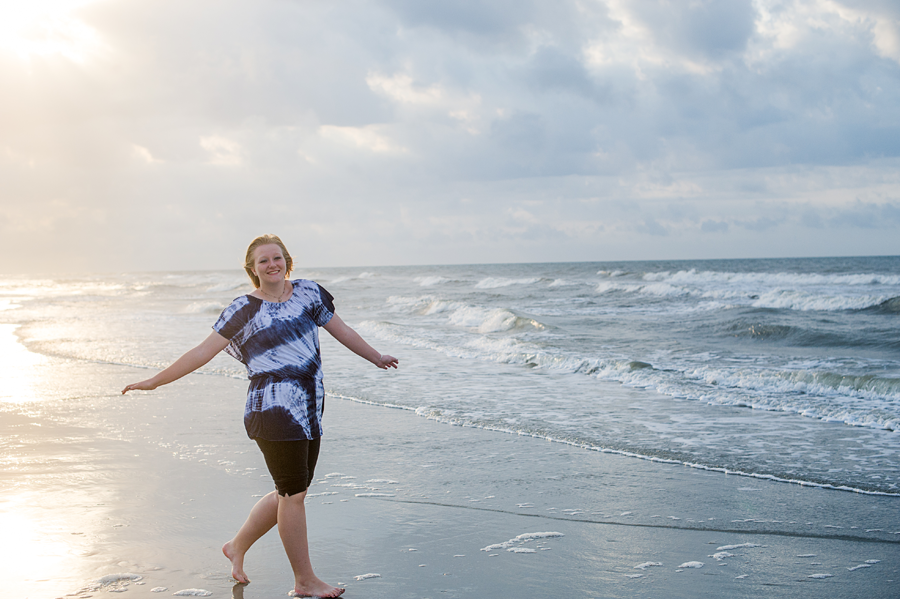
(859, 567)
(520, 539)
(111, 578)
(497, 282)
(691, 565)
(741, 546)
(530, 536)
(821, 576)
(368, 576)
(430, 281)
(721, 555)
(646, 565)
(193, 593)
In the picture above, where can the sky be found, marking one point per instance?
(162, 134)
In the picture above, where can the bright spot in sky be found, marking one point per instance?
(30, 28)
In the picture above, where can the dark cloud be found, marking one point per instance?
(713, 226)
(711, 29)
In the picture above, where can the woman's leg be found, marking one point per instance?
(292, 528)
(262, 518)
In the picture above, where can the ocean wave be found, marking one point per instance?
(481, 319)
(497, 282)
(867, 401)
(801, 301)
(769, 279)
(229, 285)
(785, 299)
(804, 336)
(889, 306)
(561, 283)
(209, 307)
(345, 278)
(430, 281)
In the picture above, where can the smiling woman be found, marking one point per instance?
(47, 28)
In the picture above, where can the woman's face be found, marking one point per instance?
(269, 264)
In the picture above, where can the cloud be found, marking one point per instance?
(222, 151)
(574, 130)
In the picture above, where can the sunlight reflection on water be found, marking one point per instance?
(16, 368)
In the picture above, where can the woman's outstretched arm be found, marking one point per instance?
(352, 341)
(189, 362)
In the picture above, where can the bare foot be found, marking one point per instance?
(316, 588)
(237, 563)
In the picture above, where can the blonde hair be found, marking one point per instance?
(266, 240)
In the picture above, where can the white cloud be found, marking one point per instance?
(145, 155)
(400, 88)
(372, 138)
(222, 151)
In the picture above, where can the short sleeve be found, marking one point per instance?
(324, 310)
(233, 318)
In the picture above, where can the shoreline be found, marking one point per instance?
(152, 484)
(620, 452)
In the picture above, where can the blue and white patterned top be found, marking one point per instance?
(279, 345)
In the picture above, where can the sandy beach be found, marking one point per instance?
(136, 494)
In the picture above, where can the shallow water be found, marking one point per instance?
(778, 368)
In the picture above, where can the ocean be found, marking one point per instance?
(785, 369)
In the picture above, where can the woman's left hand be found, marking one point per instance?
(387, 361)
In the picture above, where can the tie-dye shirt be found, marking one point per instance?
(279, 345)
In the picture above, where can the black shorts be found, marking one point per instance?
(291, 463)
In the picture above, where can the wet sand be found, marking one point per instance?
(152, 484)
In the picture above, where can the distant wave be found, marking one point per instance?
(799, 300)
(780, 279)
(497, 282)
(344, 279)
(786, 299)
(430, 281)
(210, 307)
(230, 285)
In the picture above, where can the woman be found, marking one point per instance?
(273, 331)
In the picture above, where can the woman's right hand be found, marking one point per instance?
(142, 386)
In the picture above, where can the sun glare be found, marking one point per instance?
(44, 28)
(16, 364)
